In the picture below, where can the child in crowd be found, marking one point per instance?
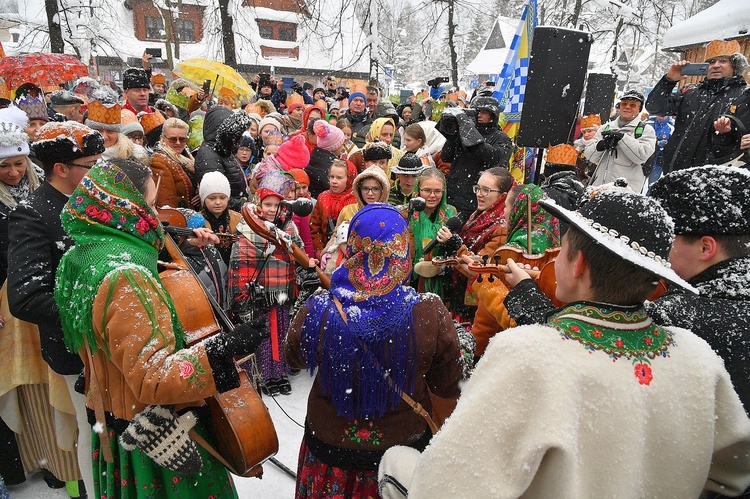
(246, 153)
(302, 191)
(377, 154)
(214, 192)
(407, 170)
(415, 141)
(330, 203)
(262, 282)
(349, 147)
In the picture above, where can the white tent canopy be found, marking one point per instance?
(724, 20)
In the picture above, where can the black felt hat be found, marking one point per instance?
(634, 227)
(409, 164)
(706, 200)
(376, 150)
(135, 78)
(64, 98)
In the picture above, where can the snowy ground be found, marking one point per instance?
(274, 483)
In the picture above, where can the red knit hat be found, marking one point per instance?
(264, 192)
(293, 153)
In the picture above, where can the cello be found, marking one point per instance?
(240, 422)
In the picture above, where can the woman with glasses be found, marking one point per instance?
(370, 186)
(425, 225)
(173, 166)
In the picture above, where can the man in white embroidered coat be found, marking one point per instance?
(600, 401)
(621, 146)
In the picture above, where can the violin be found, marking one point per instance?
(496, 268)
(243, 430)
(175, 224)
(280, 239)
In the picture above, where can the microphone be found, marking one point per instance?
(453, 223)
(415, 204)
(301, 207)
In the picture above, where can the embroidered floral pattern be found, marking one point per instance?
(192, 370)
(363, 433)
(627, 334)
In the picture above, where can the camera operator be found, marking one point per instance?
(267, 88)
(622, 146)
(473, 144)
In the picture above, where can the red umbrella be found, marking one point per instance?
(40, 68)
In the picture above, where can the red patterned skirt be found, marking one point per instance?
(316, 479)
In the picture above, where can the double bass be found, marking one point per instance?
(241, 425)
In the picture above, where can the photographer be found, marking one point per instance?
(267, 88)
(472, 145)
(622, 146)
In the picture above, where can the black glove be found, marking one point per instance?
(297, 88)
(602, 145)
(244, 340)
(307, 278)
(615, 138)
(452, 245)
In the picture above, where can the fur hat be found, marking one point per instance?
(12, 114)
(34, 107)
(706, 200)
(376, 150)
(633, 227)
(409, 164)
(329, 137)
(293, 153)
(66, 141)
(64, 98)
(13, 141)
(214, 183)
(135, 78)
(104, 117)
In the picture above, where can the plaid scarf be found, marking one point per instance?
(276, 278)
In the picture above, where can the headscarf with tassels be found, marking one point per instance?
(378, 336)
(116, 234)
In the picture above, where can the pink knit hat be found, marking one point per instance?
(330, 137)
(293, 153)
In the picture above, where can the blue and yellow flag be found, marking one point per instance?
(511, 87)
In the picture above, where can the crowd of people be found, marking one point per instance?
(480, 337)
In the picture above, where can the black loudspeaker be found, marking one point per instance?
(600, 95)
(557, 70)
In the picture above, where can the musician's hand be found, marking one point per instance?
(469, 258)
(745, 141)
(243, 341)
(203, 237)
(517, 273)
(443, 234)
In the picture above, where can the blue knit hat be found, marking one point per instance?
(357, 94)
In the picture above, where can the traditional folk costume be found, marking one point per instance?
(383, 326)
(599, 402)
(262, 286)
(118, 315)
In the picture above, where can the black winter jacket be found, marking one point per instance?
(725, 147)
(695, 110)
(208, 160)
(360, 126)
(719, 314)
(320, 162)
(37, 243)
(470, 153)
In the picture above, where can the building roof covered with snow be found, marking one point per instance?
(726, 19)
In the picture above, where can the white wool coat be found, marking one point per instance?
(544, 417)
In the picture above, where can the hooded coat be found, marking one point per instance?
(474, 149)
(695, 108)
(208, 160)
(373, 172)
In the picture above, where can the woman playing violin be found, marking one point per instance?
(117, 315)
(543, 233)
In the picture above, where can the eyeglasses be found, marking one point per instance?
(176, 140)
(87, 167)
(371, 190)
(629, 103)
(485, 191)
(430, 192)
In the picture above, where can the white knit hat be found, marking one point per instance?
(15, 115)
(214, 183)
(13, 141)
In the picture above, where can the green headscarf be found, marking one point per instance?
(545, 229)
(116, 234)
(423, 228)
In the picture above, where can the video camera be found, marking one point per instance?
(342, 93)
(435, 82)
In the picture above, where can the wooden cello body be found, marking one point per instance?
(241, 427)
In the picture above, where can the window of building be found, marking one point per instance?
(185, 30)
(155, 28)
(274, 30)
